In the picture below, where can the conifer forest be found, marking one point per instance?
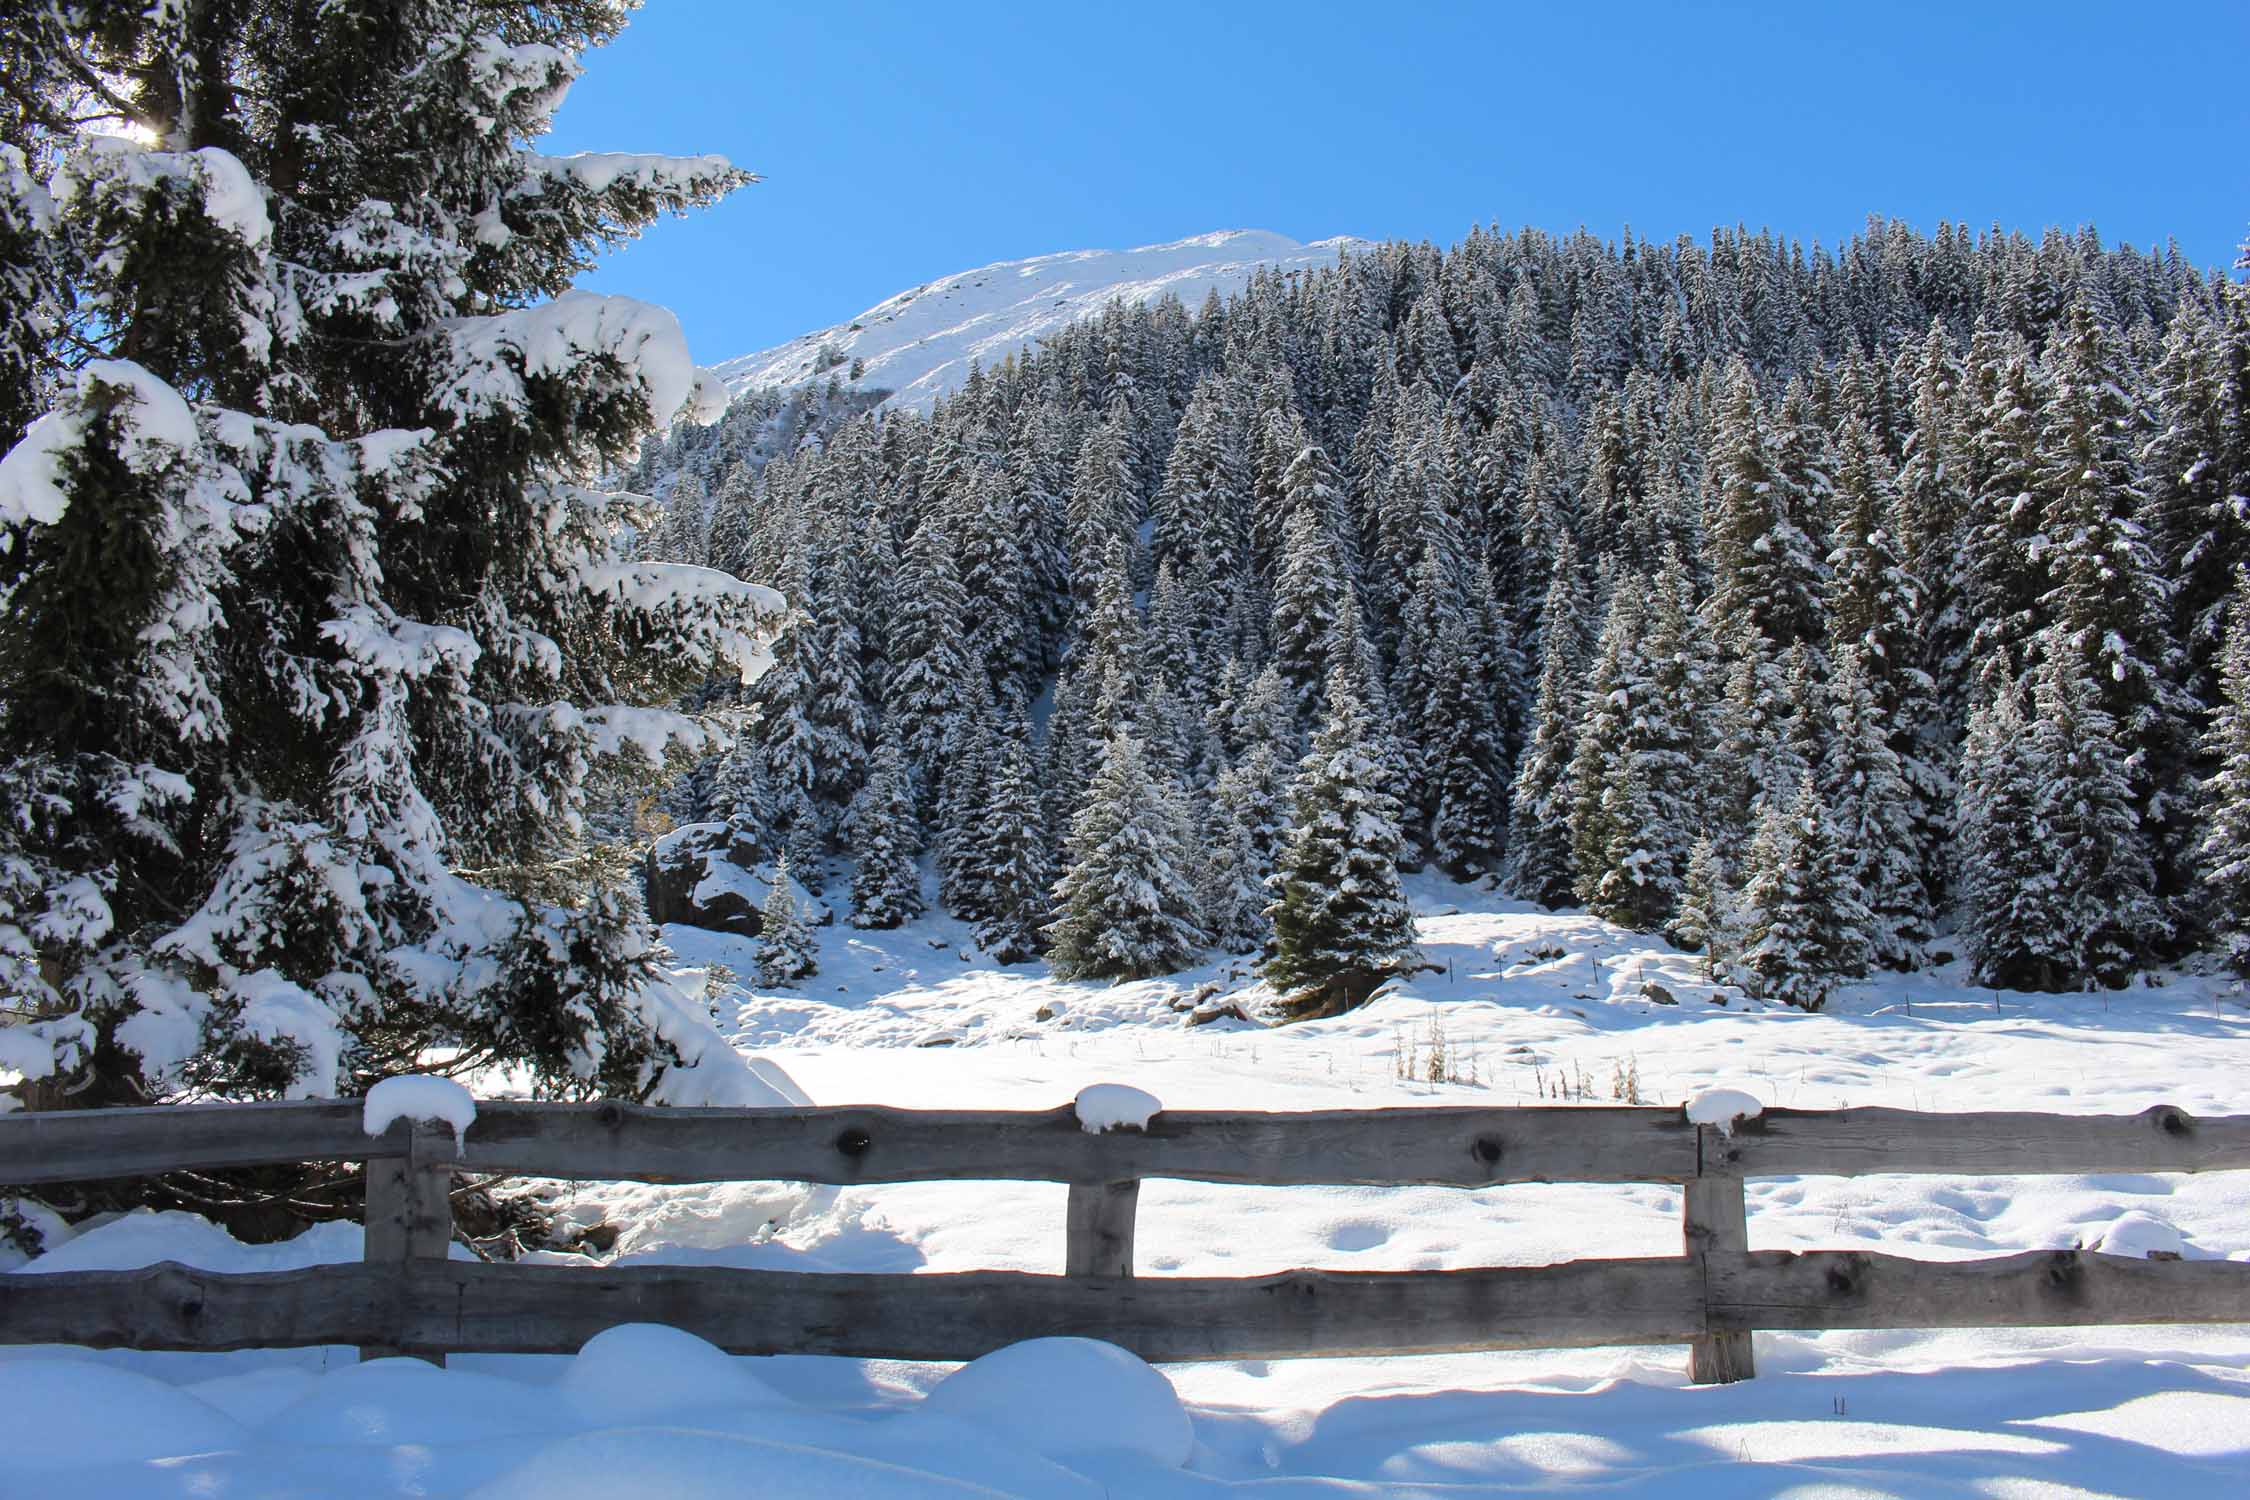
(1823, 611)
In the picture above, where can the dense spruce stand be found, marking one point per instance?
(1804, 603)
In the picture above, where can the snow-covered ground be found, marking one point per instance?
(920, 343)
(1531, 1006)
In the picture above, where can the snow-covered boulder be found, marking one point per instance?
(1064, 1396)
(711, 876)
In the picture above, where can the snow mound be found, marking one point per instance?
(1723, 1108)
(67, 1412)
(147, 1236)
(386, 1402)
(414, 1097)
(920, 344)
(1115, 1106)
(253, 1396)
(2139, 1234)
(638, 1371)
(1064, 1396)
(678, 1464)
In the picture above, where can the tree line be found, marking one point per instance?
(1823, 611)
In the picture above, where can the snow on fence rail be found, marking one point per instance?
(406, 1296)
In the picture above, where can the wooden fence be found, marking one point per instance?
(405, 1296)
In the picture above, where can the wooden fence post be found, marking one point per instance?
(1100, 1228)
(1716, 1220)
(409, 1217)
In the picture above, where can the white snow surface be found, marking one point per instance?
(1528, 1006)
(2140, 1234)
(920, 344)
(1117, 1404)
(416, 1097)
(1114, 1106)
(1723, 1108)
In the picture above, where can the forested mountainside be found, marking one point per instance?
(1811, 608)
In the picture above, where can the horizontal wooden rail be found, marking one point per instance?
(1380, 1147)
(1824, 1289)
(1859, 1142)
(80, 1145)
(1586, 1303)
(406, 1297)
(1454, 1147)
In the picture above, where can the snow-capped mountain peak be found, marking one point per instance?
(921, 343)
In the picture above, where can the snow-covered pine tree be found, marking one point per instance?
(1996, 581)
(996, 619)
(1309, 597)
(1702, 921)
(1238, 838)
(886, 877)
(1802, 922)
(684, 536)
(2104, 588)
(1767, 571)
(835, 706)
(972, 754)
(2225, 845)
(1461, 760)
(786, 951)
(1539, 866)
(1599, 750)
(738, 795)
(1105, 500)
(1012, 848)
(1341, 925)
(2108, 917)
(2009, 899)
(929, 658)
(1649, 793)
(317, 634)
(1124, 908)
(2200, 522)
(31, 303)
(1874, 813)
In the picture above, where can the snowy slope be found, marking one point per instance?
(921, 343)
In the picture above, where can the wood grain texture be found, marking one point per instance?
(1458, 1147)
(82, 1145)
(1854, 1142)
(2037, 1289)
(171, 1306)
(463, 1305)
(1098, 1228)
(1714, 1221)
(409, 1216)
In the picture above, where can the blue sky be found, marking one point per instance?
(901, 142)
